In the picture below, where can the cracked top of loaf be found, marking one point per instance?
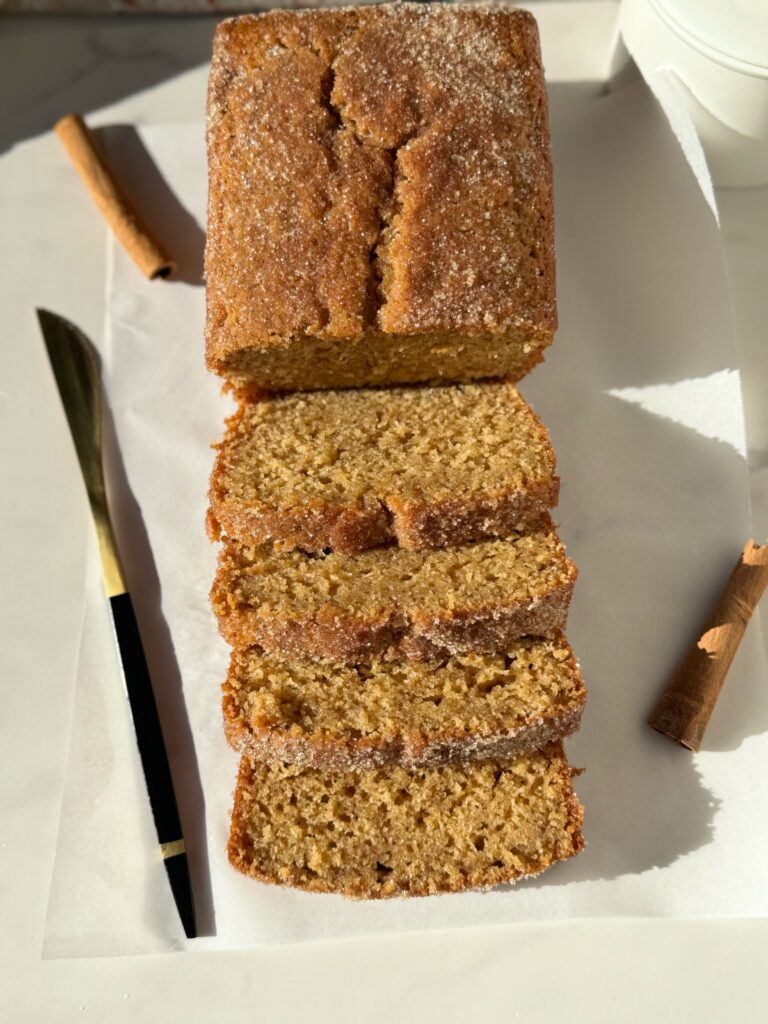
(377, 170)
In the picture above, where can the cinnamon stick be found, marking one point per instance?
(130, 230)
(684, 708)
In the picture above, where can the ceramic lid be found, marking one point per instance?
(731, 32)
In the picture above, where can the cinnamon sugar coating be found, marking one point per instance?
(380, 198)
(350, 470)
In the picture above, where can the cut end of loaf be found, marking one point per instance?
(399, 832)
(371, 359)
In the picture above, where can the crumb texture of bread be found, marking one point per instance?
(380, 197)
(418, 714)
(394, 602)
(397, 832)
(349, 470)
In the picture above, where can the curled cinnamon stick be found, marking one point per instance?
(684, 708)
(130, 230)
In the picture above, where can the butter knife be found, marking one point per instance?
(77, 377)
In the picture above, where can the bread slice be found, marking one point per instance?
(418, 714)
(349, 470)
(404, 832)
(380, 197)
(393, 602)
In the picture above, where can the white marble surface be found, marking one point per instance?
(53, 255)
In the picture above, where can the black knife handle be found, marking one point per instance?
(154, 757)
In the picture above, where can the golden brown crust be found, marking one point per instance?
(556, 831)
(336, 638)
(464, 521)
(490, 629)
(380, 201)
(354, 755)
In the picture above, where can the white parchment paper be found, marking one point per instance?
(640, 393)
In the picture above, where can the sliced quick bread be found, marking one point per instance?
(349, 470)
(405, 832)
(394, 602)
(417, 713)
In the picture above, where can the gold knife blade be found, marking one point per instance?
(75, 367)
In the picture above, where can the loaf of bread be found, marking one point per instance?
(380, 197)
(348, 470)
(394, 602)
(405, 832)
(417, 714)
(380, 213)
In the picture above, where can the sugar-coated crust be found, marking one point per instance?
(490, 630)
(293, 876)
(336, 635)
(378, 175)
(315, 526)
(476, 517)
(414, 749)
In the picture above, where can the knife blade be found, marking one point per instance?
(76, 371)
